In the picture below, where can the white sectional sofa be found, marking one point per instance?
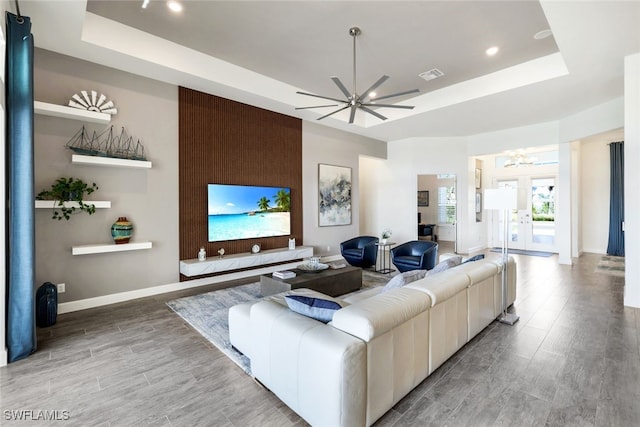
(352, 370)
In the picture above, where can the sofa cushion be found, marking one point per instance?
(375, 316)
(408, 260)
(442, 286)
(403, 278)
(446, 264)
(353, 252)
(319, 308)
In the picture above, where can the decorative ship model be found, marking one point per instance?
(106, 144)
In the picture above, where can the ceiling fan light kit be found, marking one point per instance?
(355, 101)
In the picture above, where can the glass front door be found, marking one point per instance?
(532, 224)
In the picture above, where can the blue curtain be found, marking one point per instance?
(616, 205)
(21, 325)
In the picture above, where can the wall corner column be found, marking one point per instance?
(632, 178)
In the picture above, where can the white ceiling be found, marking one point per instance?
(261, 52)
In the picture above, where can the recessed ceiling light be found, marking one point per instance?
(174, 6)
(145, 3)
(542, 34)
(372, 94)
(492, 50)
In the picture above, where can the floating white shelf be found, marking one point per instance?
(54, 110)
(111, 247)
(109, 161)
(193, 267)
(50, 204)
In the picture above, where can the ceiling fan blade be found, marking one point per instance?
(333, 112)
(316, 106)
(375, 86)
(320, 96)
(352, 116)
(375, 113)
(406, 107)
(341, 86)
(406, 92)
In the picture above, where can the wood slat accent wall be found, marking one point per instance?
(226, 142)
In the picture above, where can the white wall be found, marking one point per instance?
(632, 179)
(396, 183)
(330, 146)
(594, 195)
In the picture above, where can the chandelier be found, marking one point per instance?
(518, 160)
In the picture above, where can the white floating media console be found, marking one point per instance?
(193, 267)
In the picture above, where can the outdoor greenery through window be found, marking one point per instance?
(543, 206)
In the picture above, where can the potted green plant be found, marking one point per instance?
(68, 190)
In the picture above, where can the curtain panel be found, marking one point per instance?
(21, 328)
(616, 205)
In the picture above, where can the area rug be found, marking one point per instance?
(523, 252)
(208, 313)
(611, 265)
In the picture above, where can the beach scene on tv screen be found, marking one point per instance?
(246, 212)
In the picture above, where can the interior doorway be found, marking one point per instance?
(437, 210)
(532, 225)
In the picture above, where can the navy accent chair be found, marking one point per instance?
(360, 251)
(415, 255)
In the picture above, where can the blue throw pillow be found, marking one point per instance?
(316, 308)
(474, 258)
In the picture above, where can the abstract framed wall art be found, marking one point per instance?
(334, 195)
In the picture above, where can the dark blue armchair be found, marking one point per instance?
(360, 251)
(415, 255)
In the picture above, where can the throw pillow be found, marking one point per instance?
(321, 309)
(404, 278)
(474, 258)
(446, 264)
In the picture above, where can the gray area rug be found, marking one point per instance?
(208, 313)
(611, 265)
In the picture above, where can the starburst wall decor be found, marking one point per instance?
(92, 102)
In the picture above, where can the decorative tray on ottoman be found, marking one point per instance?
(312, 268)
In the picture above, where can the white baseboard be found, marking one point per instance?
(594, 251)
(478, 248)
(83, 304)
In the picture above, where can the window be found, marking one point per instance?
(447, 205)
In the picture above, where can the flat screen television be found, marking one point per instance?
(247, 212)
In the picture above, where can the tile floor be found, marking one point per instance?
(572, 359)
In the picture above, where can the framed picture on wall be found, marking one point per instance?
(478, 202)
(334, 195)
(478, 177)
(423, 198)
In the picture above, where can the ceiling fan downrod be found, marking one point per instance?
(354, 32)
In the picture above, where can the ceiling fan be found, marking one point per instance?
(354, 100)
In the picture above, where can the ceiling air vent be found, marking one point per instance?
(431, 74)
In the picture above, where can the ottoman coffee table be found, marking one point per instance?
(332, 282)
